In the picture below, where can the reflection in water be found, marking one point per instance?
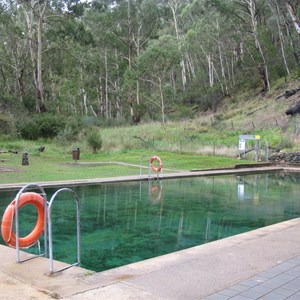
(124, 223)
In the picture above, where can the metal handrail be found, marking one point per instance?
(50, 230)
(141, 159)
(43, 194)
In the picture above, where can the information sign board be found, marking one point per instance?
(242, 145)
(249, 137)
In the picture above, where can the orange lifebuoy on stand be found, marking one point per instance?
(8, 218)
(152, 159)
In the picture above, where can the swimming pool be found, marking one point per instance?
(133, 221)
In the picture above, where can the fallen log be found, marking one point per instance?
(147, 144)
(294, 110)
(288, 93)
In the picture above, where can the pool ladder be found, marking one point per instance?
(48, 225)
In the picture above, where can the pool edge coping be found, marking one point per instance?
(179, 174)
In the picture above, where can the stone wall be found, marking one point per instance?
(285, 157)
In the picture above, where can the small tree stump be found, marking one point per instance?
(25, 159)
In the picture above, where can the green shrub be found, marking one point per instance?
(41, 126)
(94, 140)
(70, 132)
(7, 125)
(50, 125)
(29, 130)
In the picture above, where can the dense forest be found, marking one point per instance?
(138, 60)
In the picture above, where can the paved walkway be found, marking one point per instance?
(277, 283)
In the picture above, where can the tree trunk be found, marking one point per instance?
(292, 9)
(174, 5)
(100, 97)
(130, 44)
(35, 20)
(210, 70)
(40, 88)
(263, 70)
(275, 11)
(162, 103)
(106, 85)
(85, 102)
(288, 28)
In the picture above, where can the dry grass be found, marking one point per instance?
(216, 133)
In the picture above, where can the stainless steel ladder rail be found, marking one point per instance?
(43, 194)
(50, 229)
(141, 159)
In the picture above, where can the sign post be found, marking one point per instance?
(242, 145)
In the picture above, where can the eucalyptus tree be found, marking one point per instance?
(145, 22)
(142, 24)
(122, 31)
(109, 55)
(13, 55)
(292, 6)
(289, 30)
(156, 63)
(211, 40)
(29, 21)
(249, 12)
(35, 13)
(264, 36)
(175, 6)
(215, 41)
(275, 8)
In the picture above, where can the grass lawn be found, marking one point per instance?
(55, 164)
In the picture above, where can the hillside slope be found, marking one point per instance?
(251, 114)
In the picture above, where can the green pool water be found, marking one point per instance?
(130, 222)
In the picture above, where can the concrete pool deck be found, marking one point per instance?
(260, 264)
(211, 271)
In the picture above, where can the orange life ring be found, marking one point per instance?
(8, 218)
(155, 189)
(153, 158)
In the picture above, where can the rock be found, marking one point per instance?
(285, 157)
